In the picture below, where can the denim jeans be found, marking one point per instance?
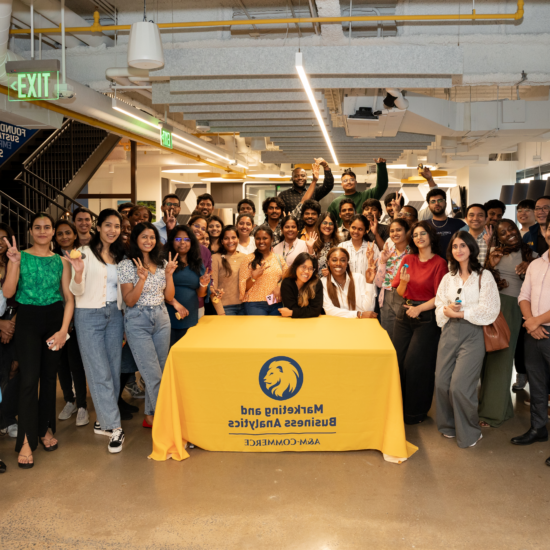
(235, 309)
(100, 332)
(262, 308)
(148, 333)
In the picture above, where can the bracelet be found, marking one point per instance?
(203, 286)
(252, 279)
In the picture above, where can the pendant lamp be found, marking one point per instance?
(506, 192)
(536, 189)
(520, 193)
(145, 46)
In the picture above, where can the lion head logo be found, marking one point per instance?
(281, 378)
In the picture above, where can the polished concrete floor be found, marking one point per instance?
(494, 496)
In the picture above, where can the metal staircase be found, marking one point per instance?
(54, 174)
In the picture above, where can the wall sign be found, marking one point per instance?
(12, 138)
(166, 138)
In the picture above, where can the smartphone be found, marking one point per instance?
(271, 299)
(50, 343)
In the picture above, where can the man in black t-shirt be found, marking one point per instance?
(444, 226)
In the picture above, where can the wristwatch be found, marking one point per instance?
(252, 279)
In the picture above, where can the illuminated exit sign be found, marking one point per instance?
(34, 80)
(166, 136)
(34, 87)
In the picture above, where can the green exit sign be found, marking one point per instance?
(166, 138)
(34, 86)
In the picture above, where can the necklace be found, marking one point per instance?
(290, 250)
(440, 226)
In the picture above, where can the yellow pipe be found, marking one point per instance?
(119, 131)
(96, 27)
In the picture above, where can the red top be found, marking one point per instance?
(425, 277)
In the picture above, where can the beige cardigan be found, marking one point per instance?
(92, 291)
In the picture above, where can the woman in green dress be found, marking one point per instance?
(39, 280)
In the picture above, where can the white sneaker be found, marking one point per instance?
(82, 418)
(478, 440)
(116, 441)
(99, 431)
(12, 430)
(68, 410)
(448, 436)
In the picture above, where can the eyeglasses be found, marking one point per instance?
(328, 224)
(171, 204)
(306, 269)
(542, 208)
(437, 201)
(421, 234)
(408, 214)
(457, 299)
(180, 239)
(196, 226)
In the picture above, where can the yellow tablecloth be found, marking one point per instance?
(270, 384)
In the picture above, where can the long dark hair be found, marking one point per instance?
(72, 226)
(334, 240)
(471, 243)
(221, 249)
(526, 252)
(194, 258)
(331, 287)
(258, 256)
(116, 250)
(5, 227)
(156, 255)
(434, 237)
(307, 292)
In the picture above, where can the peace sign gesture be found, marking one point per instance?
(396, 203)
(385, 254)
(13, 254)
(171, 265)
(315, 170)
(142, 273)
(205, 279)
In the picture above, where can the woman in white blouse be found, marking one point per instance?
(98, 321)
(291, 245)
(347, 294)
(463, 305)
(245, 225)
(357, 245)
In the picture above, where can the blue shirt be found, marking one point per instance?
(163, 233)
(186, 282)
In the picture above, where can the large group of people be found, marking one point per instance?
(97, 301)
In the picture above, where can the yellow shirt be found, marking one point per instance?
(264, 285)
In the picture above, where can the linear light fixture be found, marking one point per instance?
(177, 136)
(123, 108)
(311, 97)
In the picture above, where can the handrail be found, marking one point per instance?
(17, 203)
(97, 27)
(50, 140)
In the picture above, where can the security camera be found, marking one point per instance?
(394, 98)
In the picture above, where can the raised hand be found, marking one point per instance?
(311, 241)
(374, 224)
(77, 263)
(322, 162)
(488, 235)
(171, 220)
(259, 271)
(12, 253)
(426, 173)
(142, 273)
(315, 170)
(380, 160)
(171, 265)
(370, 254)
(405, 277)
(396, 203)
(385, 254)
(495, 257)
(205, 279)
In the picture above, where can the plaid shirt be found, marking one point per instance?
(292, 197)
(278, 231)
(481, 243)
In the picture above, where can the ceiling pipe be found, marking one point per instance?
(96, 27)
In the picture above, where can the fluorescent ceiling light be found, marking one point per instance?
(266, 176)
(127, 110)
(185, 170)
(177, 136)
(311, 97)
(223, 179)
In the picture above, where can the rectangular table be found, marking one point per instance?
(271, 384)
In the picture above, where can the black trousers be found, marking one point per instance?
(537, 361)
(416, 342)
(9, 384)
(71, 369)
(37, 364)
(519, 357)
